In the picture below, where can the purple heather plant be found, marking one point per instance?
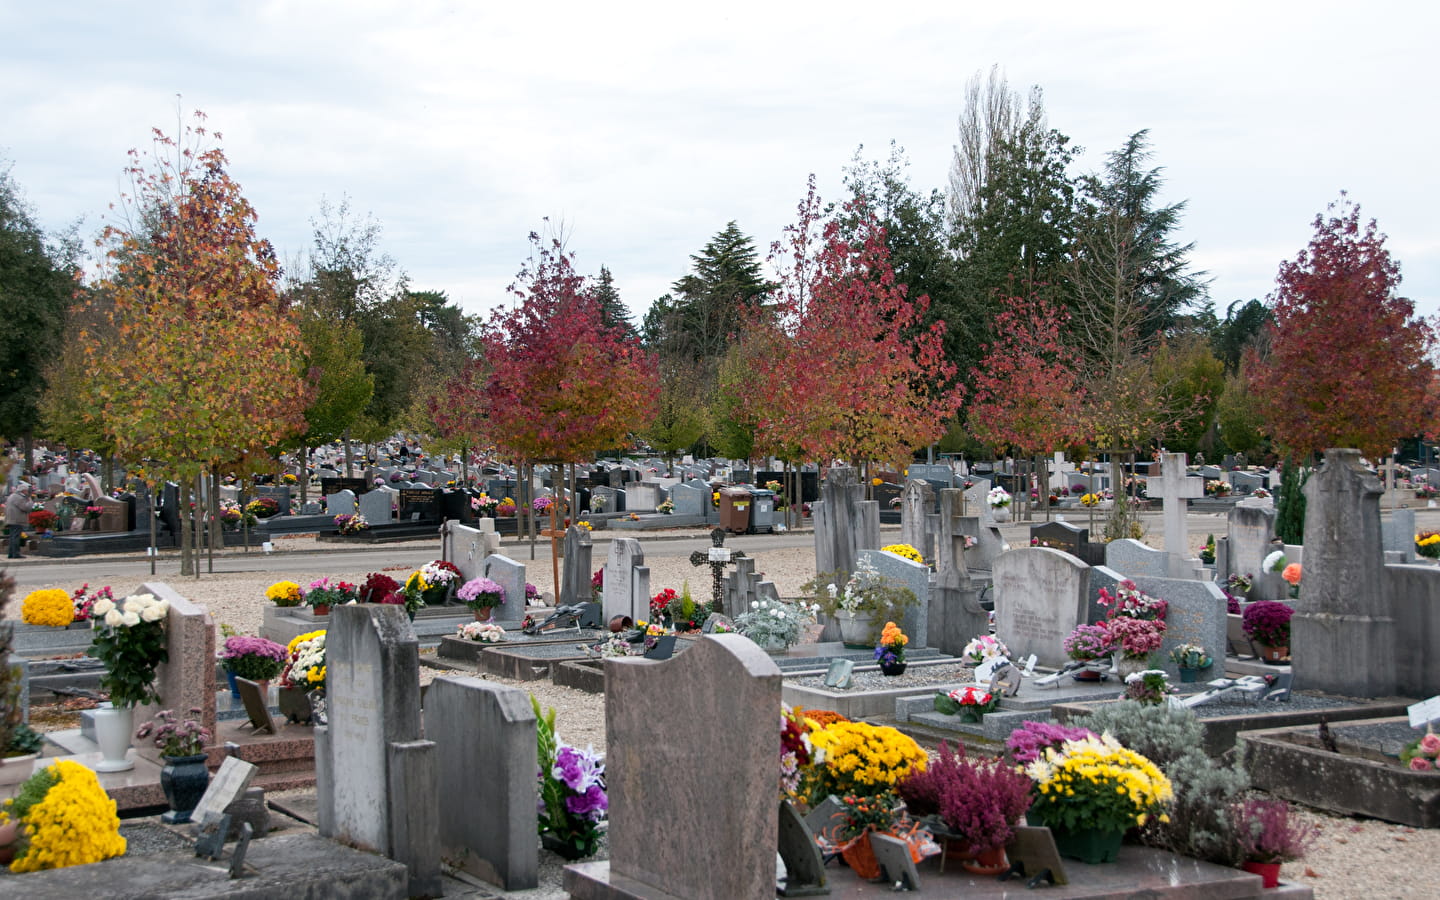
(1028, 742)
(1268, 622)
(980, 800)
(1269, 831)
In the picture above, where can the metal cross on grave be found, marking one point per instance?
(717, 557)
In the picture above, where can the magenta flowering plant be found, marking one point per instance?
(1136, 638)
(1268, 622)
(1129, 601)
(979, 800)
(481, 593)
(253, 658)
(1270, 831)
(186, 738)
(1030, 741)
(572, 798)
(1088, 642)
(532, 593)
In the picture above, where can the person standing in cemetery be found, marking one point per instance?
(17, 516)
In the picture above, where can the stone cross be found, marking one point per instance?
(1176, 489)
(717, 558)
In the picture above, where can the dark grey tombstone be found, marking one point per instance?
(664, 648)
(237, 856)
(1342, 637)
(826, 814)
(804, 866)
(1069, 538)
(592, 614)
(210, 839)
(897, 868)
(956, 616)
(250, 812)
(261, 722)
(420, 505)
(576, 574)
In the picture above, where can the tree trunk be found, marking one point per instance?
(187, 559)
(304, 474)
(349, 456)
(153, 551)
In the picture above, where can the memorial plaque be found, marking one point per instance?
(1033, 852)
(419, 505)
(256, 707)
(839, 673)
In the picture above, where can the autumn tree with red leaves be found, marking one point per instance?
(851, 371)
(207, 370)
(561, 383)
(1349, 362)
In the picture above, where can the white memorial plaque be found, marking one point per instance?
(719, 554)
(1424, 712)
(986, 670)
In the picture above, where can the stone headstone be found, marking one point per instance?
(376, 505)
(1072, 539)
(420, 504)
(368, 749)
(1196, 615)
(722, 694)
(618, 592)
(1342, 637)
(1246, 482)
(1176, 488)
(249, 811)
(226, 786)
(1398, 533)
(642, 496)
(340, 503)
(115, 515)
(1040, 596)
(1250, 536)
(845, 522)
(1133, 559)
(487, 824)
(575, 577)
(910, 574)
(510, 575)
(689, 500)
(804, 864)
(955, 615)
(468, 547)
(256, 707)
(187, 680)
(1101, 577)
(926, 472)
(917, 502)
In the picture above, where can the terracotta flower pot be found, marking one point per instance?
(1086, 675)
(1269, 872)
(987, 862)
(1271, 654)
(482, 614)
(322, 609)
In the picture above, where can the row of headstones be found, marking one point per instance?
(380, 762)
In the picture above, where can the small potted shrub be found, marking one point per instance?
(1267, 623)
(1191, 658)
(1270, 832)
(284, 593)
(184, 776)
(252, 658)
(890, 652)
(482, 596)
(323, 594)
(974, 804)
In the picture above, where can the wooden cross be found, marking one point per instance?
(717, 558)
(556, 535)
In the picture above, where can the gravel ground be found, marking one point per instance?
(1389, 860)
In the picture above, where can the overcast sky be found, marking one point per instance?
(645, 128)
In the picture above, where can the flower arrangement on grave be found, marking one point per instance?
(66, 819)
(322, 594)
(1426, 491)
(1149, 687)
(597, 503)
(185, 738)
(481, 593)
(665, 507)
(253, 658)
(1191, 656)
(289, 478)
(1292, 574)
(481, 632)
(1030, 741)
(998, 498)
(376, 586)
(775, 624)
(1261, 493)
(979, 800)
(411, 595)
(904, 550)
(1271, 832)
(572, 797)
(43, 520)
(94, 512)
(891, 649)
(983, 649)
(440, 578)
(542, 504)
(862, 759)
(970, 703)
(1420, 755)
(1136, 639)
(581, 523)
(484, 506)
(796, 753)
(1217, 488)
(1268, 622)
(305, 666)
(597, 582)
(51, 607)
(687, 613)
(1090, 499)
(532, 593)
(1427, 544)
(263, 507)
(1095, 783)
(1088, 642)
(660, 603)
(1128, 601)
(284, 593)
(351, 523)
(130, 640)
(505, 508)
(866, 593)
(1207, 551)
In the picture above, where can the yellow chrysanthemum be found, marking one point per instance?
(52, 607)
(284, 593)
(73, 825)
(865, 759)
(904, 550)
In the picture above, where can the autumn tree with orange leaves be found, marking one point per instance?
(205, 368)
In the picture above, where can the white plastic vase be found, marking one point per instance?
(113, 728)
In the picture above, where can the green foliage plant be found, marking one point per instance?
(1290, 505)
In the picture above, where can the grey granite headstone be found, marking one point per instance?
(897, 866)
(845, 522)
(249, 811)
(226, 786)
(1100, 577)
(372, 689)
(340, 503)
(375, 506)
(1040, 596)
(1342, 637)
(1196, 615)
(487, 825)
(510, 575)
(1398, 532)
(210, 835)
(1249, 533)
(722, 694)
(576, 572)
(1176, 488)
(642, 496)
(955, 616)
(689, 500)
(917, 502)
(912, 575)
(839, 673)
(804, 866)
(618, 590)
(1133, 559)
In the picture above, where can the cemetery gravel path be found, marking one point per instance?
(1351, 856)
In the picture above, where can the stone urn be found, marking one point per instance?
(855, 627)
(183, 779)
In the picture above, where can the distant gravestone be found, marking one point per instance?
(469, 547)
(1195, 615)
(1250, 533)
(1246, 482)
(333, 484)
(722, 693)
(575, 577)
(1134, 559)
(1040, 596)
(917, 502)
(926, 472)
(1070, 538)
(642, 496)
(510, 575)
(845, 522)
(1398, 533)
(340, 503)
(689, 501)
(420, 505)
(115, 515)
(375, 777)
(618, 591)
(955, 616)
(487, 825)
(1176, 488)
(376, 505)
(912, 575)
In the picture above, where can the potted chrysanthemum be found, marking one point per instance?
(482, 596)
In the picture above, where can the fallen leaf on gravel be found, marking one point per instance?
(1311, 873)
(1399, 838)
(1356, 829)
(1342, 840)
